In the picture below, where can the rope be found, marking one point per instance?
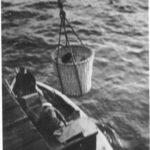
(74, 63)
(57, 62)
(76, 70)
(74, 32)
(63, 24)
(67, 40)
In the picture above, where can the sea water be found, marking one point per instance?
(118, 33)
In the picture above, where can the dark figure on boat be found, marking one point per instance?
(25, 83)
(50, 118)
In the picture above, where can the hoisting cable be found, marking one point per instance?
(57, 59)
(63, 24)
(74, 63)
(74, 32)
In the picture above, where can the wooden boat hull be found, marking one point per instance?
(101, 141)
(93, 139)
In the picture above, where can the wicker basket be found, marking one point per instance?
(67, 70)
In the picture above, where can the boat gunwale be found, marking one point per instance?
(68, 101)
(64, 98)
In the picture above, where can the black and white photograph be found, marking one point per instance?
(75, 74)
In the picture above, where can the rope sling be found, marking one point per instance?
(64, 22)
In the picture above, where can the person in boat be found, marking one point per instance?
(24, 83)
(50, 118)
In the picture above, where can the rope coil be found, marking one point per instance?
(63, 24)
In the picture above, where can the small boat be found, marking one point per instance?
(81, 133)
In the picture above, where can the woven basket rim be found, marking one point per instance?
(77, 63)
